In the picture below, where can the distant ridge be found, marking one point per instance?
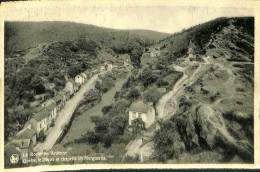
(24, 35)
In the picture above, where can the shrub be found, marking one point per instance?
(106, 109)
(98, 85)
(138, 125)
(161, 82)
(134, 94)
(167, 141)
(117, 94)
(148, 77)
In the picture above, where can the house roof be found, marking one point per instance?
(51, 106)
(78, 76)
(25, 134)
(84, 75)
(37, 109)
(73, 83)
(67, 93)
(57, 98)
(41, 115)
(10, 149)
(77, 85)
(139, 106)
(22, 144)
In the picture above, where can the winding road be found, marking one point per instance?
(64, 116)
(164, 102)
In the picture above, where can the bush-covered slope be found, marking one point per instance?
(211, 119)
(178, 43)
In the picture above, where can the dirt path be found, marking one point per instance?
(136, 146)
(164, 102)
(164, 99)
(64, 116)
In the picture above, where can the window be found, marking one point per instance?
(133, 114)
(40, 125)
(139, 114)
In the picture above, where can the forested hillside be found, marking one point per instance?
(21, 36)
(41, 56)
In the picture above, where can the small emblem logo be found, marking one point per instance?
(14, 158)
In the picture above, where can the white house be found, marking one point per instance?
(63, 95)
(102, 68)
(85, 76)
(69, 87)
(141, 110)
(109, 66)
(58, 99)
(152, 54)
(80, 79)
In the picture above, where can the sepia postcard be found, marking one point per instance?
(129, 84)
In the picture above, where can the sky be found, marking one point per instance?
(163, 18)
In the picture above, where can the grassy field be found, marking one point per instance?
(82, 123)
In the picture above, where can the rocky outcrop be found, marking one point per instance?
(204, 127)
(213, 129)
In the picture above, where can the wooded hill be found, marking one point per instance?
(24, 35)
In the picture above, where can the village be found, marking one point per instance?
(45, 115)
(148, 105)
(30, 139)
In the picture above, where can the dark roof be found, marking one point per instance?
(25, 134)
(51, 106)
(22, 144)
(10, 149)
(41, 115)
(77, 85)
(38, 109)
(67, 93)
(57, 98)
(73, 83)
(139, 106)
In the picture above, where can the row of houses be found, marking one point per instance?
(74, 85)
(43, 118)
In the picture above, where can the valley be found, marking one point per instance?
(196, 88)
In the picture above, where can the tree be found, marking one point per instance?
(148, 77)
(138, 124)
(74, 70)
(107, 84)
(161, 82)
(101, 124)
(117, 125)
(152, 95)
(135, 55)
(106, 109)
(167, 141)
(37, 85)
(98, 85)
(134, 94)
